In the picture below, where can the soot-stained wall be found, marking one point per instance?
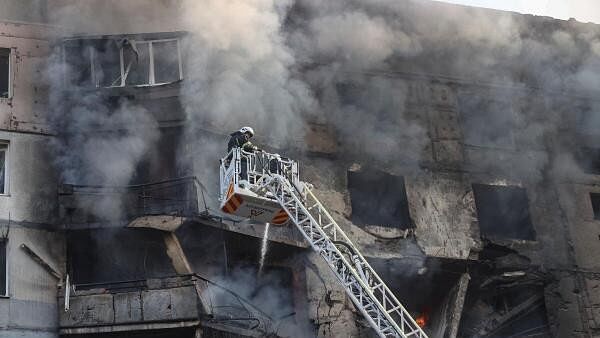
(116, 255)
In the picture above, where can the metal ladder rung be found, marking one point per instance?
(312, 207)
(318, 240)
(371, 305)
(327, 226)
(377, 286)
(397, 307)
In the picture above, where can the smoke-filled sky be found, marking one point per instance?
(582, 10)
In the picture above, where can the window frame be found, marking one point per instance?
(151, 70)
(494, 191)
(6, 191)
(11, 54)
(92, 54)
(595, 196)
(5, 293)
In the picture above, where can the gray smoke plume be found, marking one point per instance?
(100, 140)
(355, 51)
(278, 65)
(239, 69)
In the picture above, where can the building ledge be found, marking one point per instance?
(129, 327)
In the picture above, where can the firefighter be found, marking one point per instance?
(241, 139)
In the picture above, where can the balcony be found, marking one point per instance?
(86, 205)
(170, 303)
(163, 205)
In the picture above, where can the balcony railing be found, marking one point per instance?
(102, 306)
(179, 197)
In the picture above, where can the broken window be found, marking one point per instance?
(107, 64)
(4, 72)
(166, 61)
(137, 64)
(595, 197)
(589, 160)
(78, 60)
(378, 198)
(486, 123)
(503, 212)
(123, 62)
(3, 168)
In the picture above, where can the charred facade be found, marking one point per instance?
(465, 171)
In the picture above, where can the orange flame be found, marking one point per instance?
(422, 319)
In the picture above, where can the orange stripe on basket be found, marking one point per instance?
(232, 204)
(236, 200)
(280, 213)
(280, 217)
(230, 190)
(228, 208)
(279, 222)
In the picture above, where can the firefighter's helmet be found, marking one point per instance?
(249, 130)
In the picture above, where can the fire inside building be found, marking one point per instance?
(425, 170)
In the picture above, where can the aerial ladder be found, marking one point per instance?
(267, 188)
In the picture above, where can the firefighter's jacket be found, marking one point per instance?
(239, 140)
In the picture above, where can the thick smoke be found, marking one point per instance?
(279, 65)
(267, 292)
(101, 139)
(356, 51)
(239, 69)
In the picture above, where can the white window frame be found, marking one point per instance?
(151, 76)
(6, 191)
(152, 70)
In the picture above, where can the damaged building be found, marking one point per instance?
(457, 147)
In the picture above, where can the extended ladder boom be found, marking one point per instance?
(362, 284)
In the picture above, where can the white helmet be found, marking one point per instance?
(247, 130)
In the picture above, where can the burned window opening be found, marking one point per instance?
(4, 72)
(428, 287)
(233, 259)
(595, 198)
(587, 120)
(118, 255)
(378, 198)
(503, 212)
(589, 160)
(505, 297)
(505, 312)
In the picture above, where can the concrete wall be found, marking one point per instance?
(31, 307)
(24, 10)
(28, 211)
(114, 17)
